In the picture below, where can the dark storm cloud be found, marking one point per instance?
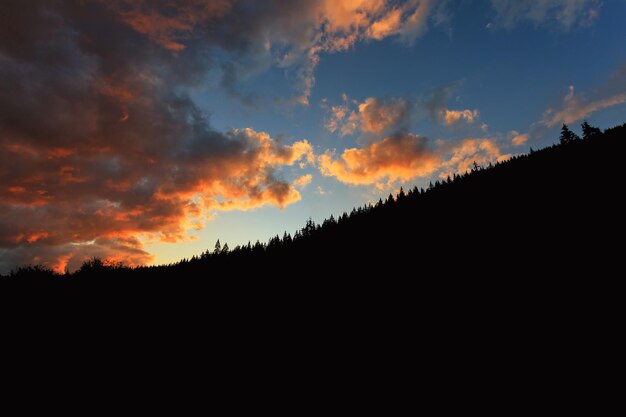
(98, 140)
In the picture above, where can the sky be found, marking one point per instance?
(142, 131)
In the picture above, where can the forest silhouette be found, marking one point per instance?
(548, 213)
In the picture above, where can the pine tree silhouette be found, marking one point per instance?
(567, 136)
(590, 132)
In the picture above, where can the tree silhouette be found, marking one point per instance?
(567, 136)
(590, 132)
(401, 195)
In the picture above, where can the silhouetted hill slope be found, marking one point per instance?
(506, 273)
(545, 214)
(551, 211)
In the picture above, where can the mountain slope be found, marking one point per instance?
(553, 209)
(549, 212)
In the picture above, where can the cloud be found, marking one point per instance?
(378, 115)
(321, 191)
(416, 22)
(405, 156)
(576, 108)
(373, 115)
(102, 149)
(460, 156)
(303, 180)
(374, 19)
(385, 26)
(452, 117)
(127, 250)
(336, 26)
(56, 205)
(381, 115)
(518, 139)
(567, 13)
(392, 154)
(398, 157)
(436, 106)
(169, 24)
(290, 35)
(341, 118)
(240, 36)
(408, 21)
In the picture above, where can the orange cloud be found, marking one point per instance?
(37, 236)
(53, 217)
(452, 117)
(519, 139)
(339, 25)
(278, 194)
(374, 115)
(375, 19)
(342, 119)
(460, 156)
(385, 26)
(383, 115)
(126, 250)
(303, 180)
(244, 184)
(119, 153)
(168, 27)
(337, 115)
(349, 15)
(397, 157)
(378, 116)
(303, 29)
(405, 156)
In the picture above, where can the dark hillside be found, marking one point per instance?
(553, 211)
(505, 260)
(546, 214)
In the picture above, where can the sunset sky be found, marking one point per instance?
(144, 130)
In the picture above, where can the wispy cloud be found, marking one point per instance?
(576, 108)
(566, 13)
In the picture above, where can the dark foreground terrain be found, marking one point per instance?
(509, 273)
